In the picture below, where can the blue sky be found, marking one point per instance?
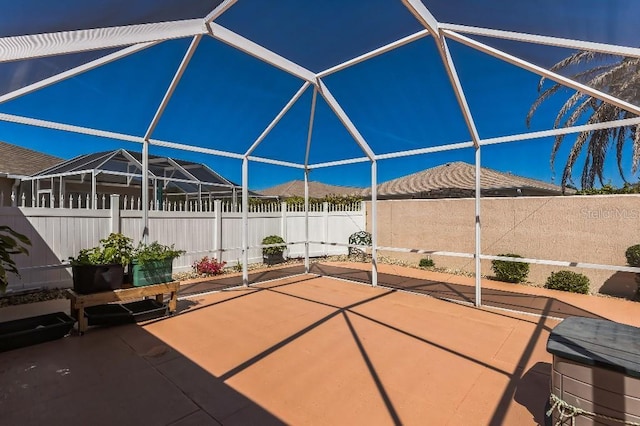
(401, 100)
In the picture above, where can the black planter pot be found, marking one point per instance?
(116, 313)
(273, 259)
(30, 331)
(96, 278)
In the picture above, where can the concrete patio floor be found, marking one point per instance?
(305, 349)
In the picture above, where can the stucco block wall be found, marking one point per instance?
(592, 229)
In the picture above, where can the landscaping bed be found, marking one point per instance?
(32, 296)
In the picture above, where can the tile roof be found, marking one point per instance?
(22, 161)
(295, 188)
(458, 179)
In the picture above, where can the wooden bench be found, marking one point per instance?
(81, 301)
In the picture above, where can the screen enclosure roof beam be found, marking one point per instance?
(49, 44)
(565, 81)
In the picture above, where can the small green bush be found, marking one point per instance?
(633, 255)
(273, 239)
(508, 271)
(568, 281)
(426, 263)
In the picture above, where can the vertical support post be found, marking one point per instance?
(234, 199)
(478, 248)
(306, 220)
(145, 191)
(325, 217)
(94, 192)
(60, 195)
(374, 223)
(63, 191)
(245, 221)
(217, 238)
(155, 194)
(115, 214)
(33, 193)
(15, 193)
(283, 221)
(306, 180)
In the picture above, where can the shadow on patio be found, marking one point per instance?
(303, 349)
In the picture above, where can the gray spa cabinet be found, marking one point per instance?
(596, 368)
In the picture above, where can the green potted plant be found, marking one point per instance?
(273, 255)
(153, 263)
(31, 330)
(101, 268)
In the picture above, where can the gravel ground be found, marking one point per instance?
(31, 296)
(40, 295)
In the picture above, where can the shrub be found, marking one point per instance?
(568, 281)
(509, 271)
(426, 263)
(206, 266)
(273, 239)
(633, 255)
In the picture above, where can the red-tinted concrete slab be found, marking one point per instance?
(317, 350)
(304, 350)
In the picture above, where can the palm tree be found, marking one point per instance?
(615, 75)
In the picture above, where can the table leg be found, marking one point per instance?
(82, 321)
(173, 302)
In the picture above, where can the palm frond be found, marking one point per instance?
(615, 75)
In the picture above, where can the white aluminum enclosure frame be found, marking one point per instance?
(83, 169)
(134, 38)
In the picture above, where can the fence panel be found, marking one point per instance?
(58, 233)
(340, 225)
(55, 234)
(194, 232)
(296, 233)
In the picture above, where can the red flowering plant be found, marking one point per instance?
(206, 266)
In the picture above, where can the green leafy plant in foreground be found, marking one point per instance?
(11, 243)
(116, 248)
(155, 252)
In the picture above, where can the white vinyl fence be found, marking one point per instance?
(58, 233)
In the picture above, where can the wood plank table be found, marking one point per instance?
(81, 301)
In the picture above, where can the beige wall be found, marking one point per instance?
(592, 229)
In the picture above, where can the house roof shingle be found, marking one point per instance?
(295, 188)
(459, 177)
(17, 160)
